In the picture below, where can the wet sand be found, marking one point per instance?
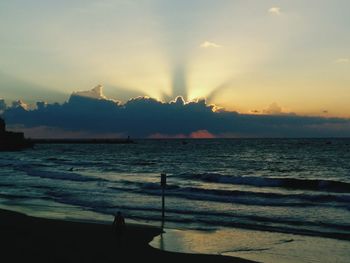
(32, 239)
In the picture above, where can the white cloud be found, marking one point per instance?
(342, 60)
(95, 93)
(20, 104)
(275, 10)
(208, 44)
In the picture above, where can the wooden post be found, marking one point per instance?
(163, 185)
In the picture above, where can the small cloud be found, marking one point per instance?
(342, 60)
(325, 111)
(275, 10)
(202, 134)
(273, 109)
(208, 44)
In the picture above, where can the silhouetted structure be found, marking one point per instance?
(83, 141)
(12, 141)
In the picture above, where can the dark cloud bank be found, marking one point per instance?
(95, 116)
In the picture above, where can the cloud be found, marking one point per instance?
(342, 60)
(95, 93)
(275, 109)
(20, 104)
(202, 134)
(208, 44)
(144, 117)
(275, 10)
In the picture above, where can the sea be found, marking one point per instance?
(270, 200)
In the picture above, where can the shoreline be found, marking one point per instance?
(27, 238)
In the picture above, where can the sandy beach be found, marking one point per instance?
(31, 239)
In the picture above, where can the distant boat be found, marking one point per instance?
(12, 141)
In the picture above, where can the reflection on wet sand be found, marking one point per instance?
(261, 246)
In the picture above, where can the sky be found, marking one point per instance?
(251, 57)
(242, 55)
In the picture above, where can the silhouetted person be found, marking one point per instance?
(119, 224)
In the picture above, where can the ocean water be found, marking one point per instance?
(295, 187)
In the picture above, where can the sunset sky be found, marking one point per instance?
(246, 56)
